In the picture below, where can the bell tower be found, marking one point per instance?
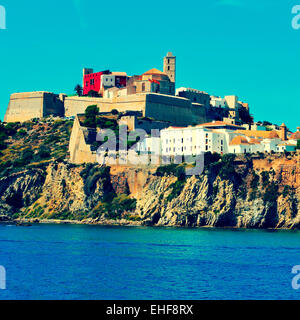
(170, 66)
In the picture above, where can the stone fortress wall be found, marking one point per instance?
(28, 105)
(178, 111)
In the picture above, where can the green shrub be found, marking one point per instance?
(91, 113)
(227, 171)
(254, 181)
(120, 204)
(44, 152)
(171, 169)
(114, 111)
(177, 188)
(271, 193)
(286, 191)
(265, 176)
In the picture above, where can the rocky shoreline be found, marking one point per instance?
(233, 192)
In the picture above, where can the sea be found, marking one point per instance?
(82, 262)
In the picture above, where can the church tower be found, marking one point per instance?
(170, 66)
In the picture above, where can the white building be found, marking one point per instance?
(216, 137)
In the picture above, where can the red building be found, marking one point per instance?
(100, 81)
(92, 81)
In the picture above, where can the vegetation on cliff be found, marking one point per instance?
(33, 144)
(38, 182)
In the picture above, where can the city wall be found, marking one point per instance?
(176, 110)
(29, 105)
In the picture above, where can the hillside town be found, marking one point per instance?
(189, 121)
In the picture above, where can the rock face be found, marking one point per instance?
(20, 190)
(255, 195)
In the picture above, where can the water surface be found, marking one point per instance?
(94, 262)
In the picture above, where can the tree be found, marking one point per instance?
(245, 115)
(114, 112)
(79, 90)
(91, 113)
(93, 94)
(298, 145)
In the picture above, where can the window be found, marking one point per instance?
(206, 148)
(168, 68)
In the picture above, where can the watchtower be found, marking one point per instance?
(170, 66)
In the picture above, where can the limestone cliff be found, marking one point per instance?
(243, 192)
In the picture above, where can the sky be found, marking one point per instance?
(246, 48)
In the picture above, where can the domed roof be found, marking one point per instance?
(154, 72)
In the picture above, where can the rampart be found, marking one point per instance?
(28, 105)
(177, 111)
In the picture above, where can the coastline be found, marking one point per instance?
(126, 223)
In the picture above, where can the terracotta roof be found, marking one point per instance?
(218, 124)
(259, 134)
(295, 136)
(154, 71)
(176, 127)
(286, 144)
(238, 140)
(254, 141)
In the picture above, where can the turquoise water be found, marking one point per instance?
(92, 262)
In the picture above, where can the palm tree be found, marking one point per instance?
(78, 90)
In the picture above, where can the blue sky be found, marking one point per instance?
(224, 47)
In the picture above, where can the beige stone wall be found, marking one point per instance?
(28, 105)
(176, 110)
(24, 106)
(179, 111)
(75, 105)
(80, 152)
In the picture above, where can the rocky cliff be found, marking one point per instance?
(246, 192)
